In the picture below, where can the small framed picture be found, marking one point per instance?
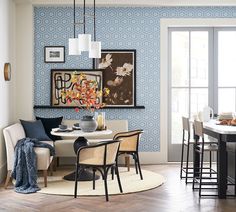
(54, 54)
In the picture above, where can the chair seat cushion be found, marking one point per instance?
(208, 147)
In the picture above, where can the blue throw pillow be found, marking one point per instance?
(50, 123)
(35, 129)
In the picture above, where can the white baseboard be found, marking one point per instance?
(3, 172)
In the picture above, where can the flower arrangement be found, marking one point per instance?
(84, 93)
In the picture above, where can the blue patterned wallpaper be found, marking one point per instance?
(117, 28)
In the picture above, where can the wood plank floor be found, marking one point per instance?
(173, 196)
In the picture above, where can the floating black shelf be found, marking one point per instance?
(58, 107)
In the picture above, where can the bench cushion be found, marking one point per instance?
(43, 156)
(12, 135)
(64, 148)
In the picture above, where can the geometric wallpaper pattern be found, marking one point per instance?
(117, 28)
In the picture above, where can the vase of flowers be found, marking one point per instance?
(87, 95)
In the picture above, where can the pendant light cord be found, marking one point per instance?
(84, 16)
(74, 18)
(94, 21)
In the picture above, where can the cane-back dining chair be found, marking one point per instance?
(99, 157)
(129, 145)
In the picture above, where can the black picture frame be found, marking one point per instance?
(60, 81)
(54, 54)
(111, 81)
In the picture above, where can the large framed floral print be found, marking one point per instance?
(119, 75)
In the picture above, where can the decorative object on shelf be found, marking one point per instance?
(62, 81)
(100, 118)
(54, 54)
(7, 71)
(83, 42)
(119, 75)
(88, 124)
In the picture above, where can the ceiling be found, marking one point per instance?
(134, 3)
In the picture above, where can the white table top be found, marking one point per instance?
(80, 133)
(222, 129)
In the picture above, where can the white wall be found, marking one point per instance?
(7, 100)
(24, 61)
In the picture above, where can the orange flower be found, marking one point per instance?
(84, 93)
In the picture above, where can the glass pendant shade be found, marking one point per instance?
(95, 50)
(84, 42)
(74, 46)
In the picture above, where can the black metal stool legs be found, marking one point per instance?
(186, 177)
(182, 158)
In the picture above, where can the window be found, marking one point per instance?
(189, 67)
(202, 71)
(226, 70)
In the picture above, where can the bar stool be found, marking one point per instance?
(186, 142)
(200, 148)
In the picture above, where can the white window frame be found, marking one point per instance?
(174, 148)
(216, 86)
(162, 156)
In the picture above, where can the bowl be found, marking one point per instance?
(62, 126)
(76, 125)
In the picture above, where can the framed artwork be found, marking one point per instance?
(119, 75)
(54, 54)
(60, 81)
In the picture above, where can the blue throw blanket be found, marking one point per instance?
(25, 165)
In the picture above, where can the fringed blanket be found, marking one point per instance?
(25, 165)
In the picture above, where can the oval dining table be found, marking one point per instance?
(85, 175)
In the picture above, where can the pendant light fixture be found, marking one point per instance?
(74, 42)
(83, 42)
(95, 49)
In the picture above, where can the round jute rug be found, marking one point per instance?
(130, 181)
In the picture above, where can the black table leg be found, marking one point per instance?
(84, 175)
(222, 168)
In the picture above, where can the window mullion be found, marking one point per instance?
(215, 69)
(211, 96)
(189, 80)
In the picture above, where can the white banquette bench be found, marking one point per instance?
(64, 148)
(14, 133)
